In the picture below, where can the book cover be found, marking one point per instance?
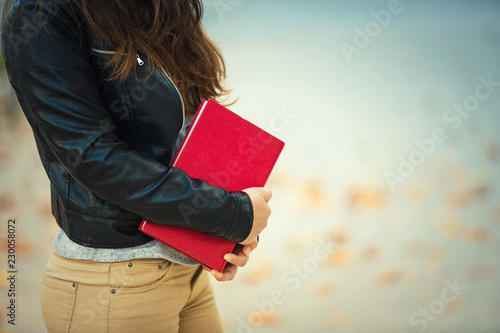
(225, 150)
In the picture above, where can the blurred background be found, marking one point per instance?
(386, 198)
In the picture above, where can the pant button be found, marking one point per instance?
(113, 291)
(159, 267)
(130, 264)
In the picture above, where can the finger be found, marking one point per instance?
(253, 245)
(238, 260)
(265, 193)
(250, 245)
(238, 248)
(218, 275)
(243, 249)
(228, 273)
(205, 268)
(246, 250)
(249, 241)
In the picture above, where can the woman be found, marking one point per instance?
(106, 87)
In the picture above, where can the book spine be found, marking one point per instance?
(186, 137)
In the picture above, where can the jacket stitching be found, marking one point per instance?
(131, 116)
(69, 188)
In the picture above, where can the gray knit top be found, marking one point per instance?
(65, 247)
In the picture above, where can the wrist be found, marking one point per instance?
(243, 218)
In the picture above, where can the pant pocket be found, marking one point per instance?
(57, 300)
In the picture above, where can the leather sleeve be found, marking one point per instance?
(48, 67)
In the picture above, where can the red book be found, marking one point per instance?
(225, 150)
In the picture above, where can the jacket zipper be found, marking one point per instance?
(141, 62)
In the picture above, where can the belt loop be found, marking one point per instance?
(109, 273)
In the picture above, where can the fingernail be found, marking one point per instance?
(227, 257)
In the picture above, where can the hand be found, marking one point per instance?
(238, 258)
(260, 196)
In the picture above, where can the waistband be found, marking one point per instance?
(114, 274)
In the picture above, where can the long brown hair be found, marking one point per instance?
(170, 34)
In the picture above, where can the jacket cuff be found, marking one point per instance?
(243, 219)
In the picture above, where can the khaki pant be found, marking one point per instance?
(140, 295)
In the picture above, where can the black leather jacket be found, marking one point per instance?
(106, 147)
